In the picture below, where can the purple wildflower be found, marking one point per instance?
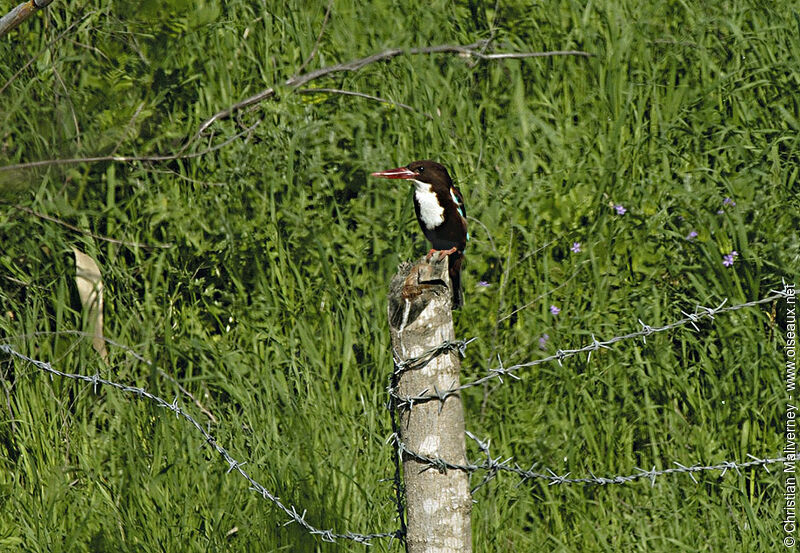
(692, 235)
(483, 284)
(730, 258)
(554, 310)
(576, 247)
(729, 201)
(620, 209)
(543, 341)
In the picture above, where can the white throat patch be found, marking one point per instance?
(431, 213)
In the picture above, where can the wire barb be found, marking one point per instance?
(561, 355)
(492, 466)
(233, 464)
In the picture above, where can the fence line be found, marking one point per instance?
(492, 466)
(233, 465)
(699, 314)
(397, 454)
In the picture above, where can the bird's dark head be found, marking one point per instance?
(426, 171)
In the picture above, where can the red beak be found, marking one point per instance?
(399, 173)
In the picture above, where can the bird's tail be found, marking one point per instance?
(454, 268)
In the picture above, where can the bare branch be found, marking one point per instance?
(355, 65)
(225, 113)
(547, 293)
(297, 81)
(127, 159)
(521, 55)
(88, 233)
(319, 37)
(361, 95)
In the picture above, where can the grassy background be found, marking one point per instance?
(268, 297)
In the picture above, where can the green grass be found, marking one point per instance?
(268, 299)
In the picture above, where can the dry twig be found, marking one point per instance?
(88, 233)
(476, 50)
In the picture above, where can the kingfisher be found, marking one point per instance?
(440, 212)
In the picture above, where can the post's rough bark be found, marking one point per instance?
(420, 318)
(19, 14)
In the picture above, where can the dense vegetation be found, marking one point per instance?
(610, 187)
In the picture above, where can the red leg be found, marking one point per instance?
(440, 252)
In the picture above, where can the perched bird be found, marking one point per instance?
(440, 213)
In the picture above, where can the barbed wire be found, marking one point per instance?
(700, 313)
(233, 465)
(494, 466)
(397, 455)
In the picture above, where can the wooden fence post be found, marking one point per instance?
(19, 14)
(420, 319)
